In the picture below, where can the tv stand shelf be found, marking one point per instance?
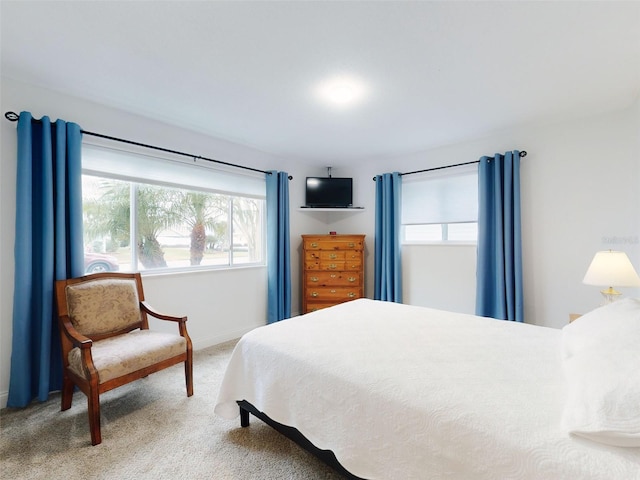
(322, 209)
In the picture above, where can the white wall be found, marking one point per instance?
(307, 221)
(580, 184)
(580, 194)
(440, 276)
(221, 304)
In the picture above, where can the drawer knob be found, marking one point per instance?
(352, 279)
(314, 244)
(333, 275)
(314, 294)
(333, 291)
(333, 266)
(351, 295)
(333, 256)
(314, 279)
(351, 244)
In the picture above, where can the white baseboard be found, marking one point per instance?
(200, 343)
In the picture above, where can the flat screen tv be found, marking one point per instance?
(329, 192)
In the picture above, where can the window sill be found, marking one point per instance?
(321, 209)
(441, 244)
(190, 271)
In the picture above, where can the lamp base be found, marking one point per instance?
(610, 295)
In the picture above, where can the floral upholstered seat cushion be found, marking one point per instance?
(123, 354)
(103, 305)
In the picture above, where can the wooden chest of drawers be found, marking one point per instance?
(333, 270)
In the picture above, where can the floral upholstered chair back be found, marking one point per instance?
(103, 306)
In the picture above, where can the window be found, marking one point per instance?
(441, 233)
(143, 213)
(441, 207)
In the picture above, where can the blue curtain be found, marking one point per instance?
(278, 247)
(387, 261)
(49, 247)
(499, 272)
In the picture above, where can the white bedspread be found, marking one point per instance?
(400, 392)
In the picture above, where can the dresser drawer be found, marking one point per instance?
(313, 306)
(351, 260)
(354, 265)
(330, 293)
(325, 255)
(334, 245)
(328, 279)
(328, 265)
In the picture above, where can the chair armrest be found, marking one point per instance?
(181, 321)
(75, 337)
(154, 313)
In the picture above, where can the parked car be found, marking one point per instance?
(99, 262)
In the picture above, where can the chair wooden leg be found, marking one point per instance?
(67, 393)
(93, 404)
(188, 373)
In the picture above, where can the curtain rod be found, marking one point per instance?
(523, 153)
(13, 117)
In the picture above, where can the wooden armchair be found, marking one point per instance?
(106, 341)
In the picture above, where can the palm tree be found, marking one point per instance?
(201, 212)
(155, 212)
(106, 212)
(246, 212)
(110, 213)
(160, 208)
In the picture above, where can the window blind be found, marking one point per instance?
(103, 161)
(435, 198)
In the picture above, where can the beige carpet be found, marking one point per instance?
(151, 430)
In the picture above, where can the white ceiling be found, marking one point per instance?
(436, 72)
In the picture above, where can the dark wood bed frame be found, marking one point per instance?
(326, 456)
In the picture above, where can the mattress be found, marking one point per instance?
(404, 392)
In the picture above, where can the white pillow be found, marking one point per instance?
(602, 367)
(605, 326)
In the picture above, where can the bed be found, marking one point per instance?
(402, 392)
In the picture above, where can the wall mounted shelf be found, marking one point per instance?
(350, 209)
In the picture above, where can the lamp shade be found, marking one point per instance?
(612, 269)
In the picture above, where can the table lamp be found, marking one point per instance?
(608, 269)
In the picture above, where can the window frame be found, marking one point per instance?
(444, 240)
(439, 175)
(135, 181)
